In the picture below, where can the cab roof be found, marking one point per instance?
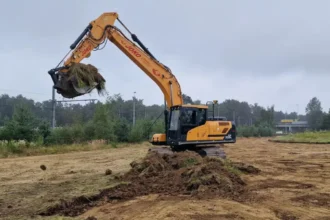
(196, 106)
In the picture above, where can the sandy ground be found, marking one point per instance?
(25, 188)
(294, 183)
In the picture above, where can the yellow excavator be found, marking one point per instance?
(187, 126)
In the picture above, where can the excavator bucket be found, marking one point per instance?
(69, 87)
(80, 79)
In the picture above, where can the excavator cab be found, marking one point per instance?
(184, 118)
(188, 125)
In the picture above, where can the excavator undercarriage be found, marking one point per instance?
(190, 127)
(210, 151)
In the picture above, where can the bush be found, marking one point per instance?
(102, 125)
(136, 133)
(78, 135)
(158, 127)
(44, 130)
(3, 133)
(61, 135)
(247, 131)
(121, 130)
(81, 133)
(89, 131)
(13, 147)
(253, 131)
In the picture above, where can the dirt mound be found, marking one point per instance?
(184, 173)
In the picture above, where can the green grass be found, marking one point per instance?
(190, 162)
(16, 149)
(231, 168)
(306, 137)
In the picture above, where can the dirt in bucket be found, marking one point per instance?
(86, 75)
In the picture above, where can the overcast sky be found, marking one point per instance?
(266, 52)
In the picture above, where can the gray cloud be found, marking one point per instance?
(270, 52)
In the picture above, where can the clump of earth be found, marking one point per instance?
(186, 173)
(183, 173)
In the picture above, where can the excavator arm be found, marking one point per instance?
(103, 29)
(186, 126)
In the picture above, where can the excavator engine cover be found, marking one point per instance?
(68, 88)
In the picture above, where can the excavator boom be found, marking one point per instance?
(102, 29)
(186, 126)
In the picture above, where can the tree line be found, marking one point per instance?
(67, 114)
(25, 119)
(316, 117)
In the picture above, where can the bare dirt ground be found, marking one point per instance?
(294, 183)
(25, 188)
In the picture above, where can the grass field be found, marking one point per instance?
(16, 149)
(306, 137)
(294, 183)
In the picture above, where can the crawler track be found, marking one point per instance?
(214, 151)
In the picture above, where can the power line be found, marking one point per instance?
(78, 100)
(19, 91)
(54, 101)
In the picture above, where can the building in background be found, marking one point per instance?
(286, 126)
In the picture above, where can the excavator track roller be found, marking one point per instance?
(210, 151)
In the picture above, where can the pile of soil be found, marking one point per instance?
(87, 74)
(184, 173)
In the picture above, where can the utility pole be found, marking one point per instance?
(134, 109)
(54, 101)
(53, 108)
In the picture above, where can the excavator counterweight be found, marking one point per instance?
(187, 127)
